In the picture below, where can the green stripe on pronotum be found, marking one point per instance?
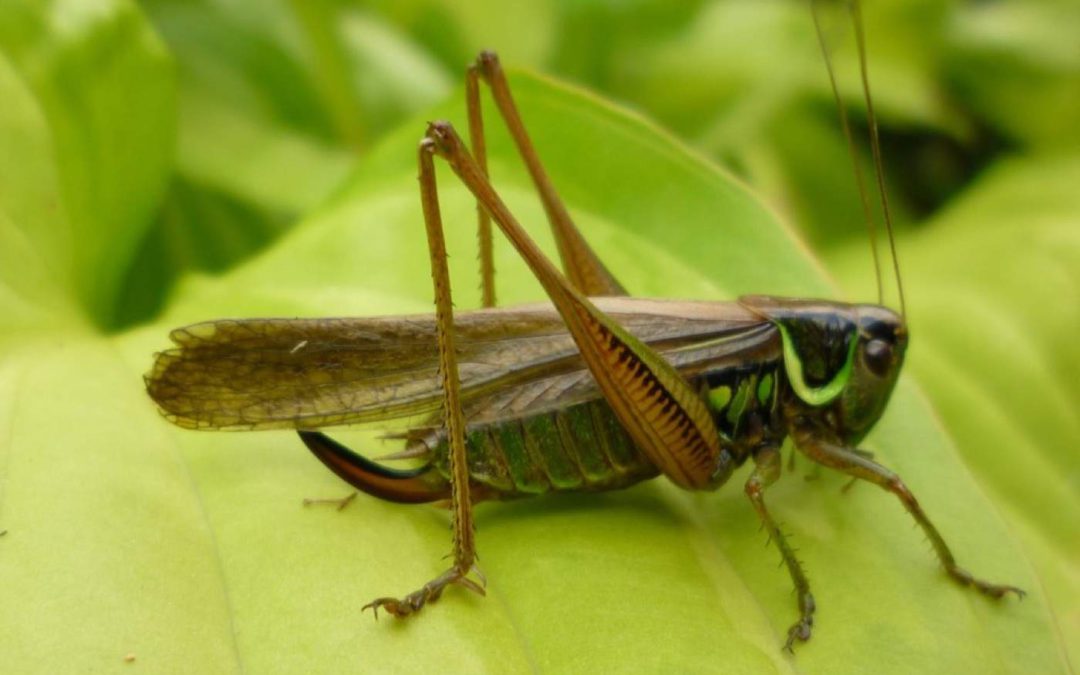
(793, 366)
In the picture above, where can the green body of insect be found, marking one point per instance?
(844, 359)
(591, 392)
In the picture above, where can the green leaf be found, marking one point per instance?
(739, 64)
(276, 100)
(746, 82)
(92, 89)
(191, 552)
(1018, 64)
(525, 32)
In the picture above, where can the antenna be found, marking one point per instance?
(875, 146)
(855, 8)
(860, 181)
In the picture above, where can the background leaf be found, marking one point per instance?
(110, 141)
(191, 552)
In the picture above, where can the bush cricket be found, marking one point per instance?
(594, 391)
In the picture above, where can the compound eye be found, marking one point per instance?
(878, 356)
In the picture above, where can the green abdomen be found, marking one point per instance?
(580, 448)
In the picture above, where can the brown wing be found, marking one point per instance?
(310, 373)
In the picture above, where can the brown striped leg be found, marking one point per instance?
(859, 465)
(580, 263)
(483, 220)
(666, 417)
(766, 471)
(464, 552)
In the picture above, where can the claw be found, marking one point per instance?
(471, 585)
(431, 591)
(1000, 591)
(800, 631)
(985, 587)
(392, 606)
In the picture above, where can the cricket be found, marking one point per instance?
(590, 391)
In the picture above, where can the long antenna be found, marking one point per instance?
(860, 181)
(875, 146)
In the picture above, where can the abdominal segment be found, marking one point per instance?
(581, 448)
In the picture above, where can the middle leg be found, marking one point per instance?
(766, 470)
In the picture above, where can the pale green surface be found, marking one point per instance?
(191, 550)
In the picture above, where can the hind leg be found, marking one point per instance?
(464, 542)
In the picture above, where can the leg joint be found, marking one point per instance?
(897, 486)
(444, 140)
(753, 489)
(487, 63)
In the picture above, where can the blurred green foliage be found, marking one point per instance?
(315, 84)
(146, 144)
